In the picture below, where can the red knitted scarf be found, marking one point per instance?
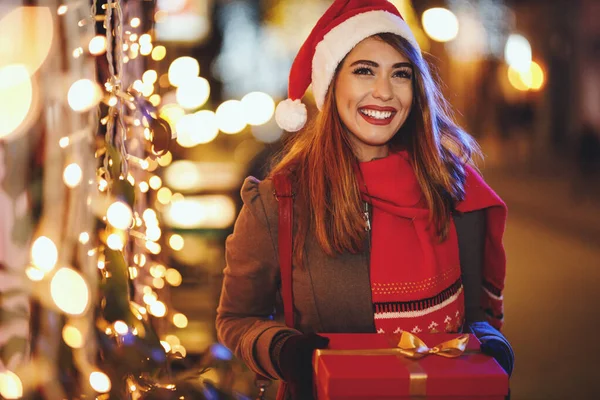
(416, 280)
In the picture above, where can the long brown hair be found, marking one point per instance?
(321, 162)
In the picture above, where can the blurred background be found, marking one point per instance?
(183, 93)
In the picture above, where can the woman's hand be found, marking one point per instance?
(295, 363)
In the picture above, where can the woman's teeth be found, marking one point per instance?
(376, 114)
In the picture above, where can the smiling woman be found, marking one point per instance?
(394, 229)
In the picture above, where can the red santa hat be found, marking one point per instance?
(345, 24)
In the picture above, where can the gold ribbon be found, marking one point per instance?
(409, 349)
(413, 347)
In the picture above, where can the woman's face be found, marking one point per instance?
(373, 95)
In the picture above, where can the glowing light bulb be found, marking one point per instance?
(517, 53)
(72, 336)
(164, 195)
(165, 345)
(155, 100)
(144, 187)
(84, 237)
(34, 274)
(72, 175)
(64, 142)
(97, 45)
(44, 254)
(100, 382)
(70, 291)
(155, 182)
(150, 298)
(158, 283)
(11, 386)
(135, 22)
(180, 320)
(145, 39)
(176, 242)
(62, 10)
(119, 215)
(84, 95)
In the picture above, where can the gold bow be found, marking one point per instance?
(413, 347)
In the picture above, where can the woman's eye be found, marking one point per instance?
(404, 73)
(363, 71)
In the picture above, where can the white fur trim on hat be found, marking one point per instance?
(291, 115)
(339, 41)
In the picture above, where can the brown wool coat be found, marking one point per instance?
(331, 294)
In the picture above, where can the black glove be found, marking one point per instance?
(295, 363)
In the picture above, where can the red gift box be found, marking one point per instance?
(371, 366)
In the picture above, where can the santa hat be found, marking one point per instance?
(345, 24)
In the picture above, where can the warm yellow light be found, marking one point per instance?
(179, 349)
(173, 277)
(155, 100)
(62, 10)
(138, 85)
(198, 128)
(176, 242)
(516, 80)
(133, 272)
(193, 93)
(144, 187)
(172, 113)
(155, 182)
(34, 273)
(135, 22)
(158, 283)
(100, 382)
(64, 142)
(158, 53)
(172, 340)
(97, 45)
(121, 327)
(149, 216)
(115, 242)
(72, 175)
(153, 233)
(147, 89)
(440, 24)
(166, 346)
(517, 53)
(145, 39)
(11, 386)
(180, 320)
(146, 49)
(164, 195)
(120, 215)
(537, 76)
(150, 298)
(139, 259)
(84, 95)
(158, 271)
(158, 309)
(16, 97)
(44, 254)
(72, 336)
(153, 247)
(182, 69)
(70, 291)
(258, 108)
(150, 76)
(165, 161)
(230, 117)
(186, 129)
(206, 211)
(84, 237)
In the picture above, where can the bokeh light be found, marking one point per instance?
(16, 97)
(440, 24)
(70, 291)
(97, 45)
(258, 108)
(84, 95)
(44, 254)
(100, 382)
(230, 117)
(72, 336)
(176, 242)
(182, 69)
(72, 175)
(119, 215)
(517, 53)
(193, 93)
(11, 386)
(180, 320)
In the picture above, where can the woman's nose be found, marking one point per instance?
(383, 89)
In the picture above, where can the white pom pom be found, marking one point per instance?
(291, 115)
